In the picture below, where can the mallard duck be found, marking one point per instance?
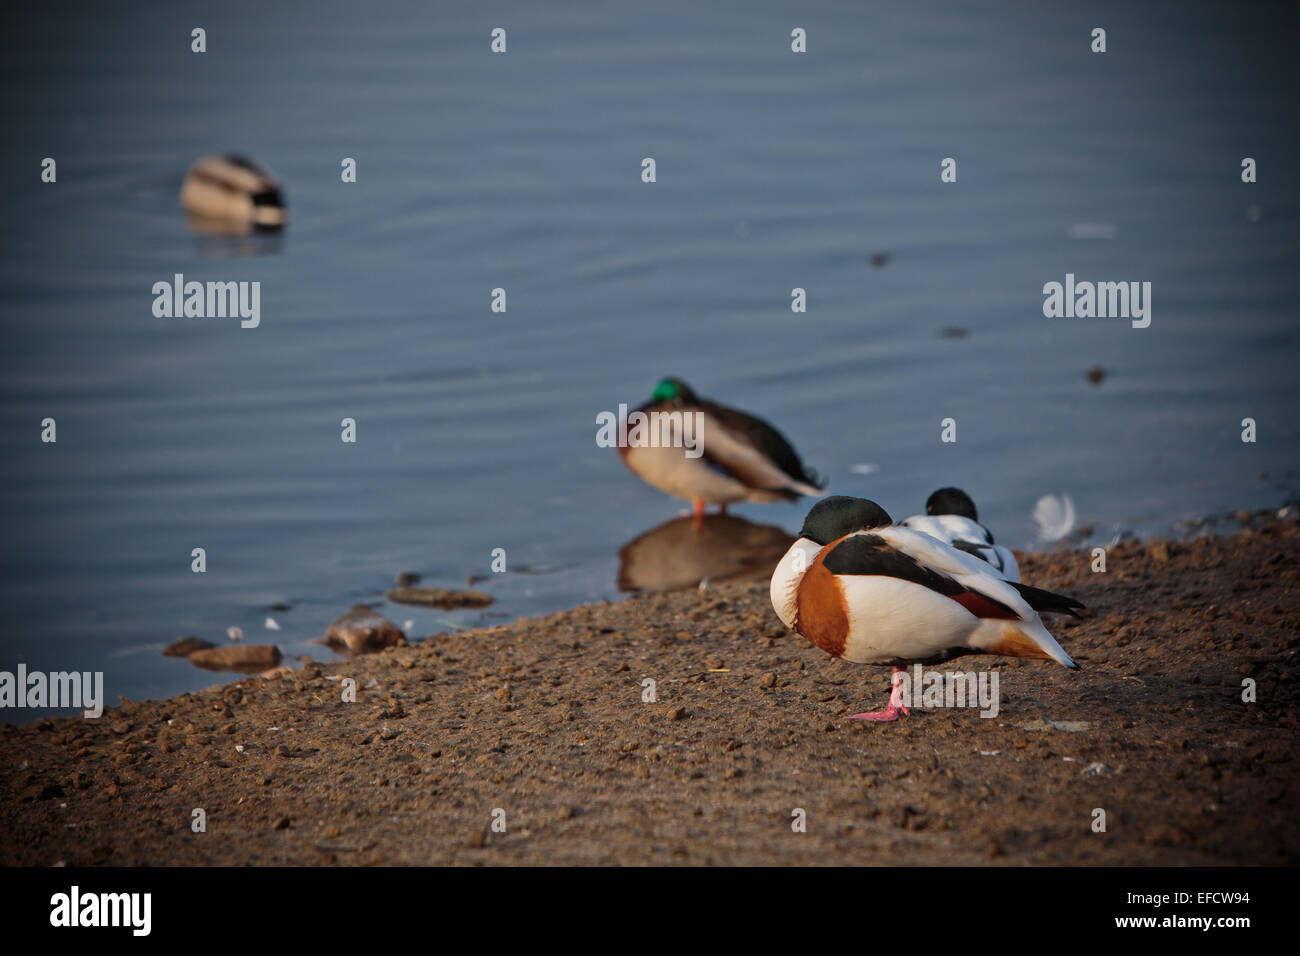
(233, 189)
(720, 456)
(870, 592)
(950, 516)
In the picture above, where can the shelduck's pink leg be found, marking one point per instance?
(895, 702)
(698, 513)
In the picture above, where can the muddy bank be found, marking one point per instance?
(544, 719)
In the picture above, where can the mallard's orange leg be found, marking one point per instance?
(698, 513)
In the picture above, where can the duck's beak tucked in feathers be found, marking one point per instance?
(882, 594)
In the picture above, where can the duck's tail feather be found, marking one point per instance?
(1041, 600)
(1020, 639)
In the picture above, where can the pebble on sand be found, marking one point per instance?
(439, 597)
(1071, 726)
(362, 631)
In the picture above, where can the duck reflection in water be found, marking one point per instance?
(685, 551)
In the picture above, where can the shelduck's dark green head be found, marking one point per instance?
(673, 390)
(951, 501)
(838, 515)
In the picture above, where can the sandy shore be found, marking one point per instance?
(544, 720)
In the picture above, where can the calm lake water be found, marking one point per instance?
(476, 430)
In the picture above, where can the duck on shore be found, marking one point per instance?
(740, 457)
(950, 516)
(233, 189)
(866, 590)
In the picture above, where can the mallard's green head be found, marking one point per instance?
(672, 390)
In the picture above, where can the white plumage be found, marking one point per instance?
(951, 529)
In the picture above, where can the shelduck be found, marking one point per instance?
(866, 590)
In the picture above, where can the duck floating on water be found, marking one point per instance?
(738, 457)
(866, 590)
(950, 516)
(233, 189)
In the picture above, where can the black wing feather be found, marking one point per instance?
(981, 551)
(872, 554)
(972, 547)
(1041, 600)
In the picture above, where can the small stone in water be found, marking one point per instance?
(362, 631)
(248, 659)
(439, 597)
(185, 646)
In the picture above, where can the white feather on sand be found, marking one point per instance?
(1054, 517)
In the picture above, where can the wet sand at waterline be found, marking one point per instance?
(544, 719)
